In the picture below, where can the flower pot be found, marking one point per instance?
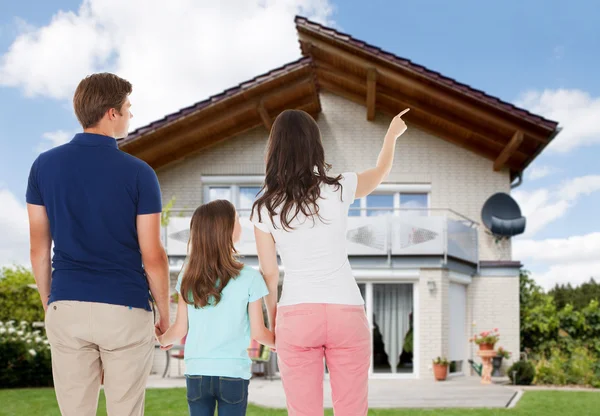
(497, 364)
(486, 347)
(440, 372)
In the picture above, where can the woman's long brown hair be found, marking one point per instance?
(211, 254)
(295, 170)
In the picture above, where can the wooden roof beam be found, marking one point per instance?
(195, 147)
(508, 151)
(371, 93)
(416, 85)
(355, 81)
(190, 134)
(264, 116)
(417, 117)
(491, 139)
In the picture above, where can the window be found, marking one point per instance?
(220, 192)
(384, 203)
(247, 196)
(241, 196)
(380, 204)
(414, 204)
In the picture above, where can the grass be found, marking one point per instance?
(166, 402)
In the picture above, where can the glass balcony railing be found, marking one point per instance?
(371, 232)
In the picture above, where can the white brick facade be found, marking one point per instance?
(459, 179)
(494, 303)
(433, 320)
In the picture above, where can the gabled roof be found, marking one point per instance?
(306, 26)
(380, 81)
(244, 107)
(384, 82)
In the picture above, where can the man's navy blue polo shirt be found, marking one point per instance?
(93, 193)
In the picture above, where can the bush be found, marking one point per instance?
(524, 373)
(581, 367)
(552, 371)
(18, 301)
(574, 367)
(24, 357)
(596, 379)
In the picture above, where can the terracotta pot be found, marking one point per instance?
(440, 372)
(486, 347)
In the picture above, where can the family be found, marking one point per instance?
(99, 209)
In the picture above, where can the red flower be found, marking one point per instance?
(495, 329)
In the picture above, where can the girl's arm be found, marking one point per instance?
(371, 178)
(267, 258)
(179, 329)
(258, 331)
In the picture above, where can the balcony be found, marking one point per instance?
(371, 232)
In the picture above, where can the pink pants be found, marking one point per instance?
(307, 333)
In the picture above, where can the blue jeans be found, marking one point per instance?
(204, 392)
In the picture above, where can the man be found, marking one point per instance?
(101, 208)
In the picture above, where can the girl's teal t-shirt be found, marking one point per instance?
(219, 336)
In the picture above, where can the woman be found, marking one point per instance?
(303, 214)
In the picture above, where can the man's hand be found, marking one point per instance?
(158, 332)
(163, 325)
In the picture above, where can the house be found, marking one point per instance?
(429, 270)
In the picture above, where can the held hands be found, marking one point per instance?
(159, 337)
(398, 126)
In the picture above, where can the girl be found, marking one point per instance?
(219, 309)
(303, 213)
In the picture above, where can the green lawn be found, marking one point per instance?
(165, 402)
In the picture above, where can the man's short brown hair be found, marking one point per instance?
(98, 93)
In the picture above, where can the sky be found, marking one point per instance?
(540, 55)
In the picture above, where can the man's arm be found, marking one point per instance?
(40, 242)
(156, 264)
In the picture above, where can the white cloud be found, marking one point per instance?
(570, 260)
(14, 229)
(539, 172)
(543, 206)
(583, 185)
(174, 53)
(52, 139)
(576, 111)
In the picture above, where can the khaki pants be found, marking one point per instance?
(86, 338)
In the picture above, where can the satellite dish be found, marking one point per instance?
(502, 216)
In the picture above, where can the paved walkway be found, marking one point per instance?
(463, 392)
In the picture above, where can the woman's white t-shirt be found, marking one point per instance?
(314, 253)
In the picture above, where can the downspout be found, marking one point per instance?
(519, 181)
(537, 152)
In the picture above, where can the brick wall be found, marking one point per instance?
(459, 179)
(434, 321)
(494, 303)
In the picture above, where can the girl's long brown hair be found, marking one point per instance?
(295, 169)
(211, 254)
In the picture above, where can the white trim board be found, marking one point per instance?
(386, 274)
(233, 180)
(259, 179)
(404, 188)
(461, 278)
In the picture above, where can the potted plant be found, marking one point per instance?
(497, 361)
(440, 368)
(486, 339)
